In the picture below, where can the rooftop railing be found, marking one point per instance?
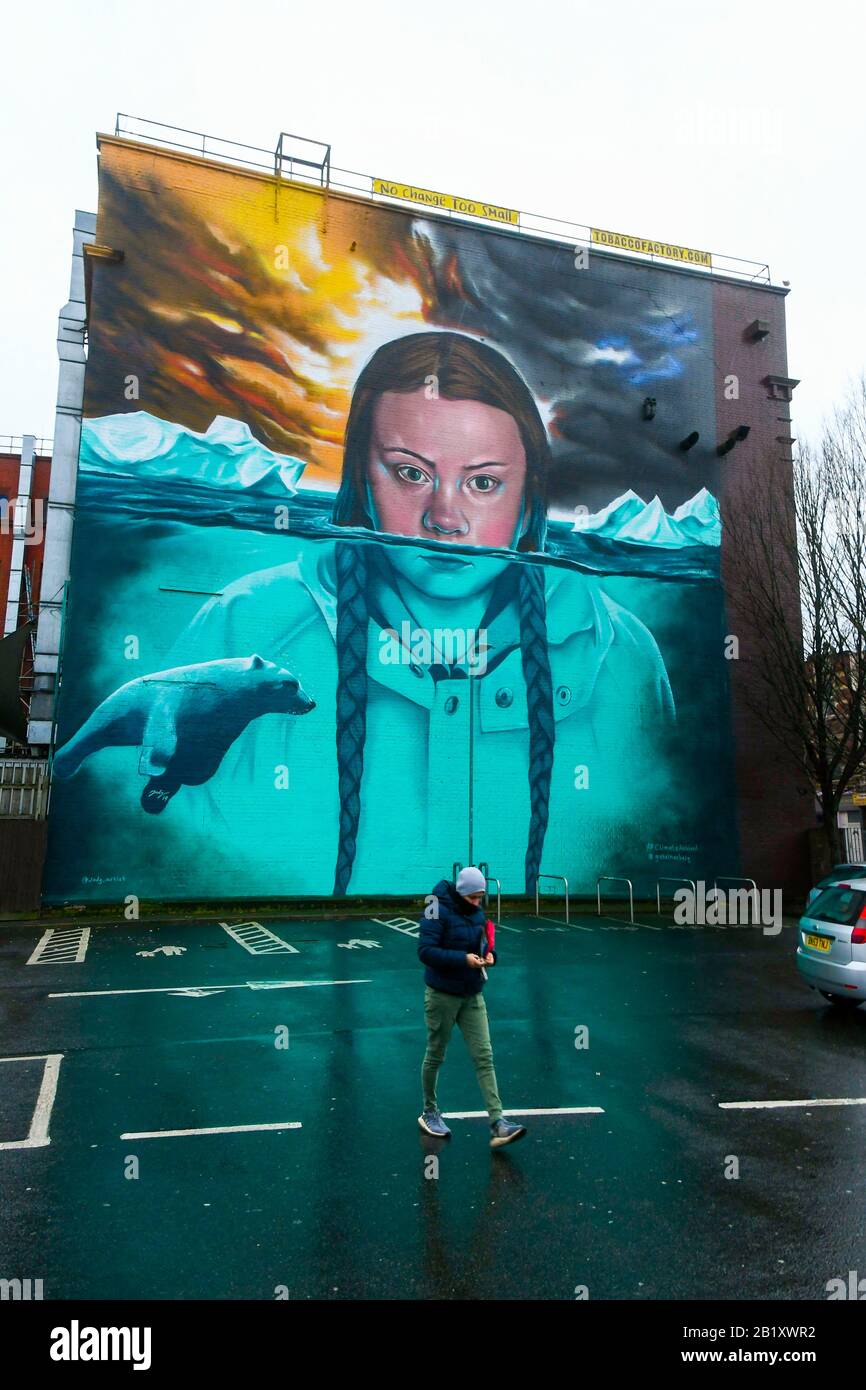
(295, 159)
(14, 443)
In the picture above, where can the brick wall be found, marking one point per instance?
(774, 816)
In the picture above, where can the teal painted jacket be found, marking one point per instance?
(274, 806)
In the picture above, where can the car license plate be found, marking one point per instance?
(818, 943)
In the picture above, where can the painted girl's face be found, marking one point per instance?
(446, 470)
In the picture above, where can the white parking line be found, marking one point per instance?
(786, 1104)
(411, 928)
(632, 926)
(258, 940)
(400, 924)
(38, 1136)
(213, 1129)
(554, 1110)
(60, 946)
(559, 922)
(196, 991)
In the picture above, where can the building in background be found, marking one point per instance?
(398, 542)
(25, 472)
(34, 580)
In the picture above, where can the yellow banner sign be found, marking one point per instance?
(449, 201)
(650, 248)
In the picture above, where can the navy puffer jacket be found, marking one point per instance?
(446, 940)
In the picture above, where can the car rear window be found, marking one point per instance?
(841, 905)
(842, 871)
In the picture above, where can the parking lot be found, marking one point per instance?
(229, 1110)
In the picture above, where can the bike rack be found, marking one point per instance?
(660, 881)
(498, 897)
(738, 878)
(560, 878)
(609, 878)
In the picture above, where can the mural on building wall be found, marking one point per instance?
(382, 559)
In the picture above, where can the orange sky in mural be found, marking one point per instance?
(241, 298)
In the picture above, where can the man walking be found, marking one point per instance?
(454, 948)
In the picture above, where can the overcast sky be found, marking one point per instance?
(732, 127)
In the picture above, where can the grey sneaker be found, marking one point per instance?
(504, 1132)
(432, 1123)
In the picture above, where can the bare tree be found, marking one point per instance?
(795, 538)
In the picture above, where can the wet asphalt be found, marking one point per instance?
(663, 1195)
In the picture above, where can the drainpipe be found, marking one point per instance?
(71, 327)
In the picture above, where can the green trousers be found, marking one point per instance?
(469, 1012)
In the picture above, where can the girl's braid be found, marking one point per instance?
(351, 563)
(539, 702)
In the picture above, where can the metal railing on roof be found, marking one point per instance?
(14, 443)
(323, 174)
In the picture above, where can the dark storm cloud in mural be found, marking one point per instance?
(592, 344)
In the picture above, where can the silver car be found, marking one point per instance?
(840, 873)
(831, 950)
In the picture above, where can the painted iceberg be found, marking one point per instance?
(225, 456)
(629, 518)
(700, 518)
